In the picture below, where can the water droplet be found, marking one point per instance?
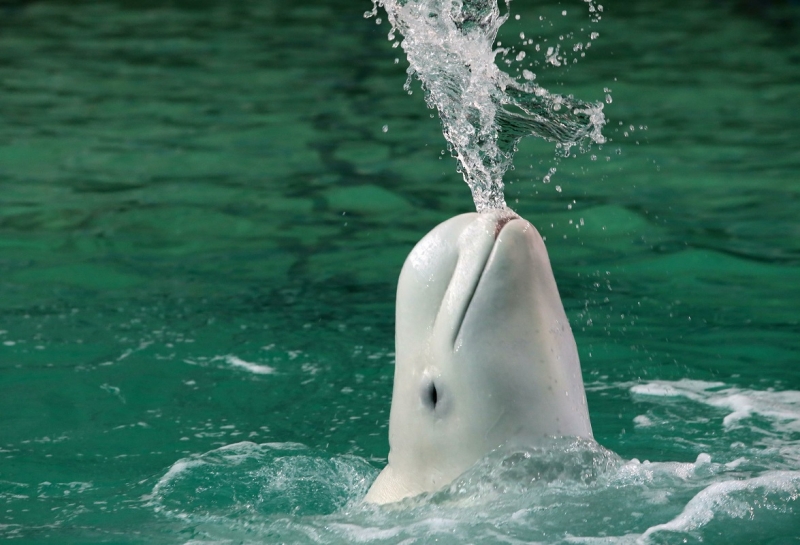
(457, 64)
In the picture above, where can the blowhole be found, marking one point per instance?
(507, 216)
(430, 396)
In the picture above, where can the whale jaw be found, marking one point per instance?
(484, 353)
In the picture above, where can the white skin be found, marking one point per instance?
(484, 353)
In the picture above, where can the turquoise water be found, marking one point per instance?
(202, 221)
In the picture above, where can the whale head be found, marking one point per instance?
(484, 353)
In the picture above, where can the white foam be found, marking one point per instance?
(359, 534)
(702, 459)
(717, 499)
(635, 472)
(781, 408)
(733, 464)
(642, 421)
(610, 540)
(693, 389)
(176, 469)
(258, 369)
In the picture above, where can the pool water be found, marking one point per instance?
(204, 207)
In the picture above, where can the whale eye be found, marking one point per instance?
(430, 396)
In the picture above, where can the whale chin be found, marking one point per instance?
(484, 353)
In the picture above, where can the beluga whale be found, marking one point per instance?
(484, 353)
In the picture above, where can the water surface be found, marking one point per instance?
(202, 220)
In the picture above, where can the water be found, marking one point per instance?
(202, 221)
(450, 46)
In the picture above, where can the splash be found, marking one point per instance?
(526, 493)
(484, 111)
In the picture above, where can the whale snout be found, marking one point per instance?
(484, 353)
(501, 218)
(445, 269)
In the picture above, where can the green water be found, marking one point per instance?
(202, 221)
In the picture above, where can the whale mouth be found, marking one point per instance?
(500, 223)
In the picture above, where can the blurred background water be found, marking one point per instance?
(204, 207)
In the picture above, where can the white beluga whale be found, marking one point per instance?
(484, 353)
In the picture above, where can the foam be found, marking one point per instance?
(286, 492)
(642, 421)
(693, 389)
(258, 369)
(635, 472)
(782, 409)
(235, 361)
(236, 484)
(359, 534)
(717, 499)
(174, 471)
